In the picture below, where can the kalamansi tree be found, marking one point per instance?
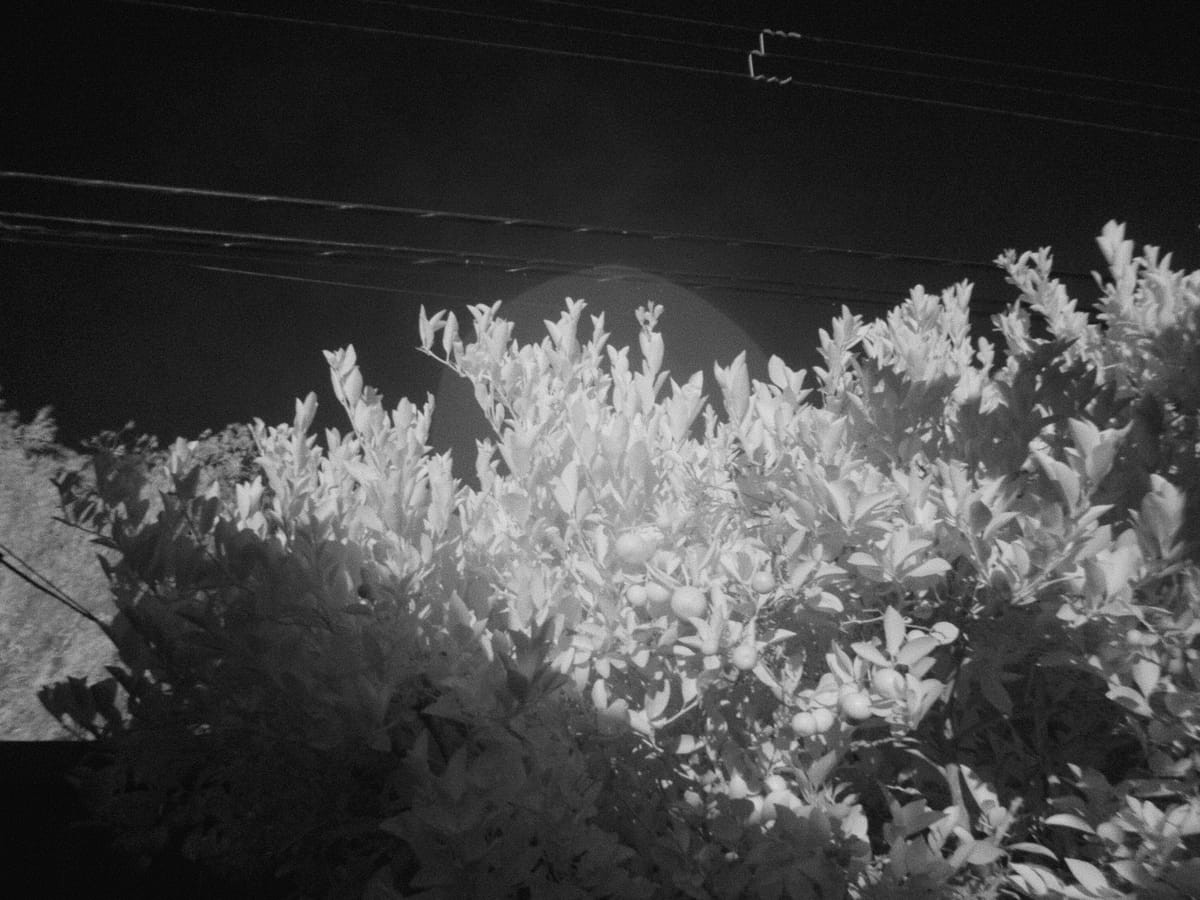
(935, 636)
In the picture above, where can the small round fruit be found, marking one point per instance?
(888, 683)
(855, 705)
(688, 602)
(633, 549)
(1137, 638)
(636, 594)
(658, 598)
(744, 656)
(804, 724)
(824, 719)
(763, 582)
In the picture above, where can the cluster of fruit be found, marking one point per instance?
(683, 601)
(853, 703)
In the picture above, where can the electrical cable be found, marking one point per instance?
(395, 32)
(986, 82)
(367, 29)
(887, 70)
(1045, 70)
(972, 107)
(646, 15)
(865, 67)
(243, 241)
(36, 579)
(850, 295)
(828, 300)
(513, 221)
(981, 307)
(1011, 65)
(346, 284)
(565, 26)
(762, 54)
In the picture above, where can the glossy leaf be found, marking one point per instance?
(893, 630)
(870, 653)
(1070, 820)
(916, 649)
(1088, 875)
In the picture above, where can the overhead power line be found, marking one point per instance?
(223, 245)
(662, 17)
(558, 26)
(971, 107)
(633, 277)
(36, 579)
(942, 76)
(802, 292)
(515, 222)
(46, 229)
(974, 82)
(835, 301)
(1025, 67)
(762, 55)
(661, 64)
(420, 35)
(954, 57)
(744, 29)
(346, 284)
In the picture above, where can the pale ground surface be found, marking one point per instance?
(41, 640)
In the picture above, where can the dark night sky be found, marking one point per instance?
(146, 94)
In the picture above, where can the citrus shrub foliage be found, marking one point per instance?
(227, 457)
(933, 636)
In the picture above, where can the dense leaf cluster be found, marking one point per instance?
(935, 635)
